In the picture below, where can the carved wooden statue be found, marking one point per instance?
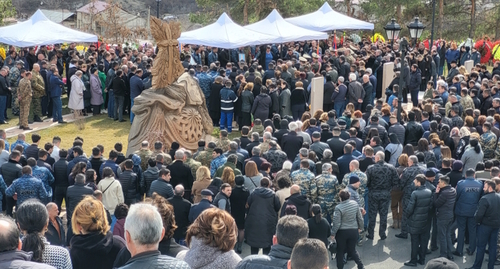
(174, 108)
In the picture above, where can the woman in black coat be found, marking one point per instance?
(319, 227)
(214, 105)
(298, 100)
(262, 105)
(238, 199)
(262, 217)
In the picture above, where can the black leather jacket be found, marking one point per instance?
(487, 210)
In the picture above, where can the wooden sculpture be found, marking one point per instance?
(174, 108)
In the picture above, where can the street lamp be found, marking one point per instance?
(158, 8)
(402, 46)
(392, 30)
(416, 28)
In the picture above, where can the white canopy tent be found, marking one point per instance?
(226, 34)
(284, 31)
(326, 19)
(39, 30)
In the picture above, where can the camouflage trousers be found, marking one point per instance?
(379, 204)
(14, 103)
(24, 112)
(36, 107)
(328, 208)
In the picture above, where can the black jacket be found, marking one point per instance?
(10, 171)
(130, 187)
(182, 208)
(487, 210)
(74, 195)
(382, 133)
(244, 142)
(166, 247)
(101, 247)
(96, 165)
(276, 259)
(381, 177)
(162, 188)
(119, 87)
(60, 173)
(181, 174)
(154, 259)
(291, 143)
(414, 131)
(455, 176)
(417, 210)
(148, 176)
(444, 202)
(262, 217)
(55, 238)
(302, 204)
(337, 146)
(31, 151)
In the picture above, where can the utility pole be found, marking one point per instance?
(432, 29)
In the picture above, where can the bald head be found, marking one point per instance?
(295, 189)
(354, 165)
(179, 190)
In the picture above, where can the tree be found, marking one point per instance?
(6, 10)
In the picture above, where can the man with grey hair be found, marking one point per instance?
(291, 142)
(233, 149)
(304, 155)
(255, 143)
(381, 178)
(181, 173)
(406, 185)
(369, 90)
(191, 163)
(275, 156)
(327, 187)
(305, 135)
(355, 92)
(255, 157)
(289, 230)
(143, 232)
(182, 207)
(327, 158)
(264, 146)
(339, 96)
(231, 162)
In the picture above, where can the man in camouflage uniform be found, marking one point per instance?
(191, 163)
(466, 101)
(24, 94)
(381, 178)
(275, 156)
(144, 153)
(327, 189)
(38, 87)
(167, 159)
(14, 78)
(407, 186)
(224, 141)
(266, 139)
(205, 157)
(305, 179)
(488, 141)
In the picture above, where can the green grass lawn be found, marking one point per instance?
(14, 120)
(98, 130)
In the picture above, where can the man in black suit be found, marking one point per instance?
(244, 137)
(181, 173)
(181, 212)
(291, 142)
(336, 144)
(255, 142)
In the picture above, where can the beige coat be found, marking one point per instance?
(111, 196)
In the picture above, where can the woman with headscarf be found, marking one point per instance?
(463, 143)
(472, 156)
(393, 150)
(76, 95)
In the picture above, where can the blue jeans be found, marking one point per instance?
(131, 114)
(440, 70)
(339, 108)
(57, 109)
(414, 97)
(486, 235)
(3, 106)
(118, 105)
(471, 224)
(111, 104)
(373, 97)
(226, 120)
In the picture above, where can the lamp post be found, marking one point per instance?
(402, 46)
(392, 30)
(158, 8)
(416, 28)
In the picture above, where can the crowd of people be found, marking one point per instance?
(293, 183)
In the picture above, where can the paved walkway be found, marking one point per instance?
(37, 126)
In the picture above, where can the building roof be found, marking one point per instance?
(57, 15)
(96, 7)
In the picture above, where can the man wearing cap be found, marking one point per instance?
(417, 212)
(406, 185)
(441, 263)
(488, 219)
(456, 173)
(336, 143)
(343, 132)
(352, 188)
(205, 203)
(381, 177)
(317, 146)
(469, 192)
(14, 77)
